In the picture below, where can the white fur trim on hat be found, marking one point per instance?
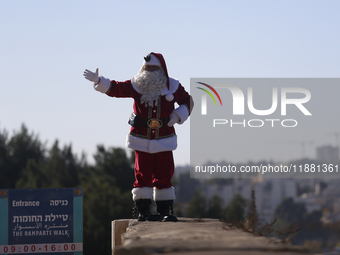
(142, 193)
(173, 86)
(103, 85)
(153, 61)
(182, 112)
(164, 194)
(151, 146)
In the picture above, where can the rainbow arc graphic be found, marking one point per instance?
(204, 101)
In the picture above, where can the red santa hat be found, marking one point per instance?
(156, 59)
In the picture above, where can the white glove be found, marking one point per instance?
(174, 118)
(91, 76)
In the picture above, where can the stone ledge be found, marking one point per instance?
(118, 228)
(192, 236)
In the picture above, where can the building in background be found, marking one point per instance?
(327, 154)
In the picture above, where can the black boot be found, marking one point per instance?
(143, 207)
(165, 209)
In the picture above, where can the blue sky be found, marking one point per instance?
(46, 45)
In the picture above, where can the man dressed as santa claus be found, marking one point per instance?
(152, 134)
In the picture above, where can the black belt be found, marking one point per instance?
(154, 123)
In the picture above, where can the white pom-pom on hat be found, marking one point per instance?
(169, 97)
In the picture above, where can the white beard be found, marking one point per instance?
(150, 85)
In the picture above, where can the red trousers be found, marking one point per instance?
(154, 170)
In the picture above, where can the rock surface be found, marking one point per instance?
(194, 236)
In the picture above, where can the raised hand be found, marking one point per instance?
(91, 76)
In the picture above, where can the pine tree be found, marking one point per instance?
(235, 211)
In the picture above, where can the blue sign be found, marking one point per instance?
(41, 221)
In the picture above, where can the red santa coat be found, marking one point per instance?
(157, 136)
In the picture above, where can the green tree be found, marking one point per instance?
(215, 207)
(103, 203)
(312, 222)
(197, 207)
(293, 217)
(114, 162)
(21, 148)
(290, 212)
(186, 187)
(26, 163)
(32, 176)
(61, 167)
(107, 196)
(235, 210)
(5, 164)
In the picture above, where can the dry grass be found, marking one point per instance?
(252, 225)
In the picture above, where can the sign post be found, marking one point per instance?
(41, 221)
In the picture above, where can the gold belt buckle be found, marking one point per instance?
(155, 123)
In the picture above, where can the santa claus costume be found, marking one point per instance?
(152, 134)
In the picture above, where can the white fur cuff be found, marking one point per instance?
(141, 193)
(103, 85)
(165, 144)
(182, 112)
(151, 146)
(164, 194)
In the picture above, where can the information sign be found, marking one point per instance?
(41, 221)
